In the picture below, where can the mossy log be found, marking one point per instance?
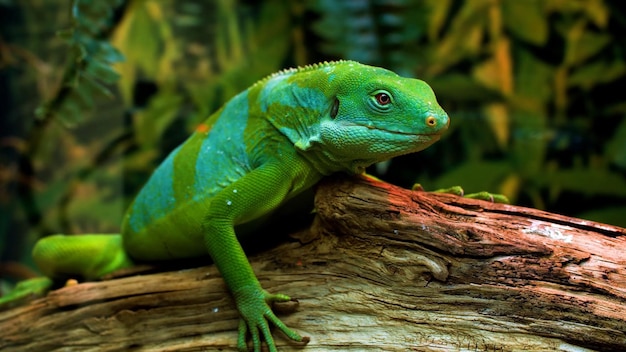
(381, 269)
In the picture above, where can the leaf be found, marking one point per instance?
(597, 12)
(438, 11)
(580, 45)
(462, 88)
(589, 181)
(142, 44)
(598, 72)
(108, 53)
(496, 72)
(616, 147)
(101, 71)
(526, 20)
(533, 78)
(88, 62)
(498, 118)
(152, 122)
(511, 186)
(92, 86)
(463, 39)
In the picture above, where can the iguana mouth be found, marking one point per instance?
(371, 127)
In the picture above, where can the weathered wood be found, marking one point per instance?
(383, 268)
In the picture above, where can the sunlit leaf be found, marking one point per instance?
(142, 44)
(496, 72)
(511, 187)
(598, 12)
(462, 39)
(498, 118)
(581, 44)
(438, 12)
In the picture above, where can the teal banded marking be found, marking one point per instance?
(292, 94)
(156, 199)
(269, 86)
(295, 109)
(222, 157)
(184, 167)
(309, 98)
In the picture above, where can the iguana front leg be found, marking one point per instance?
(458, 190)
(253, 195)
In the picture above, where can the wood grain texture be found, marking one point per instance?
(381, 269)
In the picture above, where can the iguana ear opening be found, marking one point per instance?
(335, 108)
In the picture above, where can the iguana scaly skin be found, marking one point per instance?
(267, 144)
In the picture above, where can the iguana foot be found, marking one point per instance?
(256, 314)
(458, 190)
(493, 198)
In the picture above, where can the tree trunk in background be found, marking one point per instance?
(383, 268)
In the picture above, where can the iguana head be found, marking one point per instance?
(345, 116)
(375, 115)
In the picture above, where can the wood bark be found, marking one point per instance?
(381, 269)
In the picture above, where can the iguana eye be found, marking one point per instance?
(383, 98)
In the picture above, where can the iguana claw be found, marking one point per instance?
(256, 314)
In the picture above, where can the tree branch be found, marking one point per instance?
(382, 268)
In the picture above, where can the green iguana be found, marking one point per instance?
(267, 144)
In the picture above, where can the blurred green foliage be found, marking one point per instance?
(89, 65)
(534, 90)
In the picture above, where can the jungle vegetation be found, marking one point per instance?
(96, 93)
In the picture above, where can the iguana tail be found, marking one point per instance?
(89, 256)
